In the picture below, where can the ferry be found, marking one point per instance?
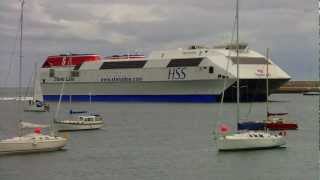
(194, 74)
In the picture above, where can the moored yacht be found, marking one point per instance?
(82, 122)
(250, 141)
(34, 142)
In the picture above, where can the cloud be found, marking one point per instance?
(126, 13)
(288, 27)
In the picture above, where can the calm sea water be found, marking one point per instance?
(163, 141)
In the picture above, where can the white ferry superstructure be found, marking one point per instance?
(196, 74)
(191, 76)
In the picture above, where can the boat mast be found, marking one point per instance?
(20, 66)
(34, 81)
(237, 57)
(267, 83)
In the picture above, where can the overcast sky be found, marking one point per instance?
(288, 27)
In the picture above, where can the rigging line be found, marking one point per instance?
(58, 107)
(225, 80)
(12, 53)
(254, 95)
(319, 71)
(227, 68)
(20, 70)
(238, 69)
(59, 102)
(29, 85)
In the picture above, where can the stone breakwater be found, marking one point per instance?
(299, 87)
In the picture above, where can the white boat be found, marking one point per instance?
(250, 141)
(29, 143)
(35, 142)
(85, 122)
(36, 104)
(246, 140)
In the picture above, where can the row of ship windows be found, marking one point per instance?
(76, 73)
(73, 73)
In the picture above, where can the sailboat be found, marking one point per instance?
(258, 125)
(273, 121)
(81, 122)
(276, 121)
(36, 104)
(34, 142)
(247, 140)
(88, 121)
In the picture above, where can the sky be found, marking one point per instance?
(107, 27)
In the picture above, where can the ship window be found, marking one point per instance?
(123, 64)
(43, 81)
(74, 73)
(260, 135)
(219, 75)
(51, 72)
(184, 62)
(250, 60)
(211, 70)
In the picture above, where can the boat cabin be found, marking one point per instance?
(90, 118)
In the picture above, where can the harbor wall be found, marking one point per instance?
(299, 87)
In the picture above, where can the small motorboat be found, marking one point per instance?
(36, 106)
(276, 121)
(85, 122)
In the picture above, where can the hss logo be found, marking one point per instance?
(177, 73)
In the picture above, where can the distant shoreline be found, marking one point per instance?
(299, 87)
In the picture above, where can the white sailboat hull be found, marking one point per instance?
(27, 146)
(236, 142)
(34, 108)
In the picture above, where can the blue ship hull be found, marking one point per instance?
(136, 98)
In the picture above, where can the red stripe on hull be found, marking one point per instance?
(281, 126)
